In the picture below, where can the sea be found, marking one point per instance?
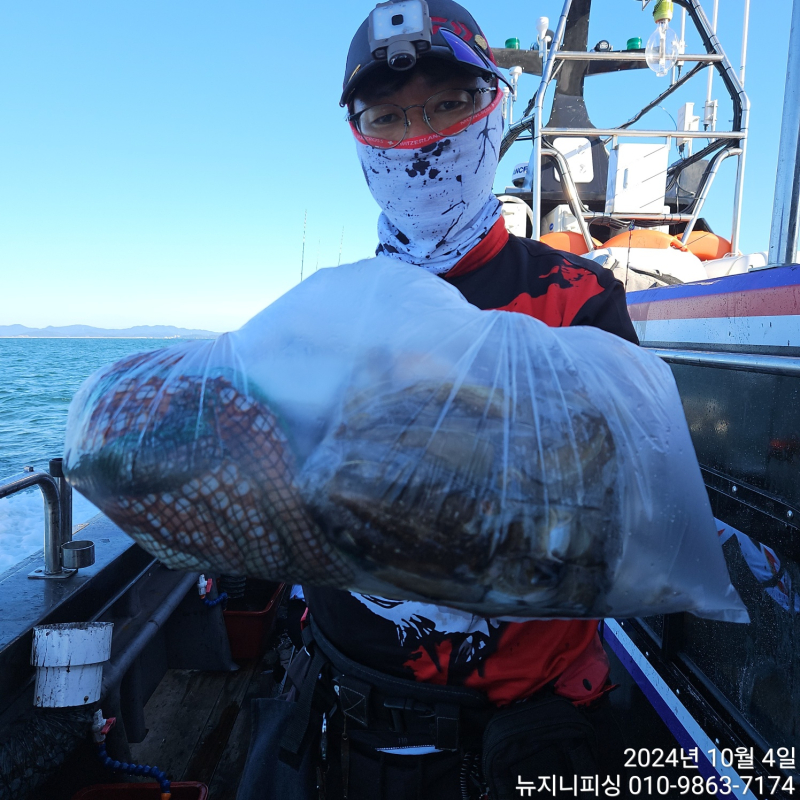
(38, 378)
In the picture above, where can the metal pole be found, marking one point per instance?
(121, 662)
(679, 62)
(745, 33)
(744, 104)
(52, 513)
(736, 226)
(784, 231)
(701, 199)
(637, 133)
(571, 192)
(534, 175)
(711, 69)
(64, 498)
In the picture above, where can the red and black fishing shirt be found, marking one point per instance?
(507, 660)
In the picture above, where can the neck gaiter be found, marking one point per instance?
(436, 194)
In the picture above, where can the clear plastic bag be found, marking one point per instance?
(372, 431)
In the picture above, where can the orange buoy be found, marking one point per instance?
(568, 241)
(644, 237)
(708, 246)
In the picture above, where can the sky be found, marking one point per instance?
(160, 160)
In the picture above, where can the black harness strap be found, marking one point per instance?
(356, 684)
(354, 697)
(395, 687)
(297, 726)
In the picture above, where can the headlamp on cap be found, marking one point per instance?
(399, 32)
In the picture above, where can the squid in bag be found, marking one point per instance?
(372, 431)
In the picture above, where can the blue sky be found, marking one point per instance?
(157, 157)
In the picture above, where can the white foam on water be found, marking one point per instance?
(38, 378)
(22, 524)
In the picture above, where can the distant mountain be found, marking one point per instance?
(88, 332)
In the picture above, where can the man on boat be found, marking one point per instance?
(426, 117)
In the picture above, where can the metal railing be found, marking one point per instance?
(57, 496)
(578, 209)
(743, 362)
(707, 184)
(734, 140)
(589, 133)
(642, 216)
(624, 55)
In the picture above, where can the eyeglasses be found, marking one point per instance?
(446, 113)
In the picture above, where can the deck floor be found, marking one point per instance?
(199, 722)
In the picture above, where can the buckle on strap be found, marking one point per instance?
(398, 705)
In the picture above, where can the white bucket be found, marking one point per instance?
(69, 662)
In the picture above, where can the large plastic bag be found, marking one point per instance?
(372, 431)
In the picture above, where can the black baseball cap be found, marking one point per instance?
(455, 37)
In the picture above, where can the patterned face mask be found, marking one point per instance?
(436, 193)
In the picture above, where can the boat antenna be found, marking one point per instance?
(341, 241)
(303, 257)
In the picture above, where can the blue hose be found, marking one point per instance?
(134, 769)
(223, 598)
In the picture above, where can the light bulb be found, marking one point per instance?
(663, 49)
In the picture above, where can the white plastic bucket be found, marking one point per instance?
(69, 662)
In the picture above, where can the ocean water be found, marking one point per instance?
(38, 378)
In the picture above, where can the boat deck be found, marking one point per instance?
(199, 722)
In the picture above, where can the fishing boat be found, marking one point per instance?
(164, 688)
(729, 326)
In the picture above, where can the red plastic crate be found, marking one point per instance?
(185, 790)
(248, 631)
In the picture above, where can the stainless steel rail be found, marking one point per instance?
(639, 215)
(624, 55)
(575, 204)
(56, 469)
(533, 179)
(57, 494)
(715, 58)
(739, 97)
(591, 133)
(703, 196)
(744, 362)
(52, 515)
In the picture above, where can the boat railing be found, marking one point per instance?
(57, 495)
(706, 188)
(729, 143)
(743, 362)
(642, 134)
(624, 55)
(576, 206)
